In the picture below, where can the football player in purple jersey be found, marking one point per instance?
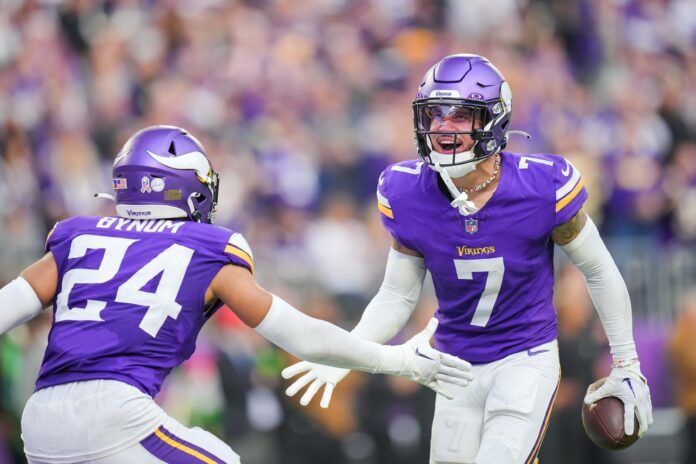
(130, 294)
(484, 222)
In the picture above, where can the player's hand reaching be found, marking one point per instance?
(421, 363)
(430, 367)
(630, 386)
(319, 375)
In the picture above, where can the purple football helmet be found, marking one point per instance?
(162, 172)
(464, 82)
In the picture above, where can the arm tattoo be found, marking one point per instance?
(566, 232)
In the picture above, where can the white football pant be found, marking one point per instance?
(110, 422)
(501, 417)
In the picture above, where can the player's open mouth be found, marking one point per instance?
(449, 144)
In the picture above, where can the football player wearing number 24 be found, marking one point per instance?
(484, 221)
(130, 294)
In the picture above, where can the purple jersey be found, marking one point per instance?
(493, 270)
(131, 296)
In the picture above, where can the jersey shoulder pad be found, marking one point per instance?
(383, 203)
(566, 190)
(394, 181)
(569, 190)
(413, 167)
(228, 244)
(65, 229)
(239, 251)
(395, 189)
(557, 181)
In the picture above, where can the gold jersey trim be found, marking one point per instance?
(568, 198)
(384, 210)
(233, 250)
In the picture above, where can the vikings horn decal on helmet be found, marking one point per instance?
(463, 82)
(173, 162)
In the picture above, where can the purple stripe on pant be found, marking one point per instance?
(532, 458)
(174, 450)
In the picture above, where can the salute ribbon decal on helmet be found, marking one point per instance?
(172, 160)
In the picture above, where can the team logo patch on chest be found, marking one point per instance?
(471, 225)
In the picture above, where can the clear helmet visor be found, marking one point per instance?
(449, 129)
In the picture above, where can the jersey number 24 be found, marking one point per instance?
(160, 304)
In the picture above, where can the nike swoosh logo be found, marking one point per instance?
(418, 353)
(566, 170)
(534, 353)
(193, 160)
(630, 385)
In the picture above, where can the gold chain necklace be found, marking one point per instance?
(487, 182)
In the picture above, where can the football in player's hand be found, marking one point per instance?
(604, 422)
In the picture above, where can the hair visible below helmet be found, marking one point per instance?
(470, 81)
(162, 172)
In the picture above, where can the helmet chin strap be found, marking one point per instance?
(461, 200)
(457, 170)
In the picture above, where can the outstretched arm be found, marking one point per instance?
(322, 342)
(383, 318)
(580, 240)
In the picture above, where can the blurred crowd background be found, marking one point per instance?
(301, 104)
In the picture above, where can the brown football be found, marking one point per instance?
(604, 422)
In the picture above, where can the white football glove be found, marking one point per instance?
(422, 363)
(630, 386)
(320, 375)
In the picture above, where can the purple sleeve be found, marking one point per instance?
(385, 206)
(220, 245)
(569, 190)
(238, 252)
(60, 232)
(391, 213)
(51, 237)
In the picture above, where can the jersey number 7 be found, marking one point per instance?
(160, 304)
(494, 268)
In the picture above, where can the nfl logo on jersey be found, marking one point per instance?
(471, 225)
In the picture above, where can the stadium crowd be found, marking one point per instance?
(301, 105)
